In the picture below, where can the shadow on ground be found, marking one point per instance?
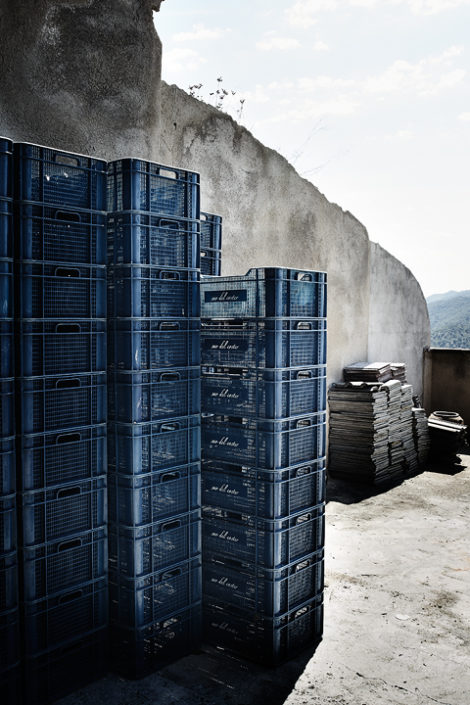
(207, 678)
(346, 492)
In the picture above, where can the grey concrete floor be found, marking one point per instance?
(397, 613)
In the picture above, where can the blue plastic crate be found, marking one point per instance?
(269, 494)
(135, 397)
(7, 408)
(8, 583)
(6, 228)
(267, 445)
(136, 185)
(60, 347)
(261, 393)
(59, 566)
(274, 342)
(51, 459)
(53, 514)
(6, 168)
(61, 291)
(7, 466)
(6, 289)
(266, 640)
(9, 640)
(60, 619)
(139, 344)
(58, 403)
(265, 592)
(148, 292)
(61, 235)
(7, 360)
(58, 672)
(266, 292)
(8, 524)
(139, 652)
(140, 238)
(145, 499)
(211, 231)
(136, 603)
(59, 178)
(268, 543)
(211, 262)
(136, 552)
(137, 449)
(10, 685)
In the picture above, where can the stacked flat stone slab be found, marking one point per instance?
(154, 414)
(263, 343)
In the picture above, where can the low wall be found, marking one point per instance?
(447, 381)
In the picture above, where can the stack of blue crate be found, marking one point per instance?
(154, 414)
(9, 613)
(263, 341)
(211, 244)
(61, 399)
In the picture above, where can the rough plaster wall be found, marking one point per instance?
(82, 75)
(271, 215)
(399, 326)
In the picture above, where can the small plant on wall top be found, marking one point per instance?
(218, 98)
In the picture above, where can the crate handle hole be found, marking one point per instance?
(168, 174)
(303, 277)
(304, 374)
(68, 328)
(169, 325)
(68, 438)
(170, 574)
(67, 383)
(67, 272)
(169, 526)
(166, 427)
(67, 215)
(67, 545)
(170, 377)
(169, 275)
(70, 597)
(170, 476)
(66, 160)
(303, 423)
(303, 325)
(68, 492)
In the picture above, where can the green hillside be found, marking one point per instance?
(450, 319)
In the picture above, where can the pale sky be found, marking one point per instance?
(368, 99)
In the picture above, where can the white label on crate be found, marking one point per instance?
(224, 535)
(225, 296)
(224, 582)
(224, 442)
(225, 344)
(225, 489)
(225, 394)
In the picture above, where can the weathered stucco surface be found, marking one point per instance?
(399, 326)
(84, 75)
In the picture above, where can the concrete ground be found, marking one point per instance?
(397, 613)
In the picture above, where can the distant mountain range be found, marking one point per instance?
(449, 314)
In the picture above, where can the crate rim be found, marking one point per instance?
(149, 161)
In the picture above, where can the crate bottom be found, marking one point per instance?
(138, 652)
(62, 671)
(261, 639)
(10, 686)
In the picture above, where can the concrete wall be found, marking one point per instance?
(82, 75)
(64, 83)
(399, 326)
(447, 381)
